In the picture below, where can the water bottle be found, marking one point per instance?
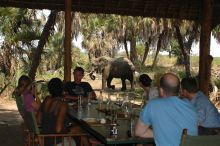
(130, 131)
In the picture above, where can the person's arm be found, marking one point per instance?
(201, 110)
(35, 105)
(93, 94)
(74, 98)
(61, 116)
(143, 130)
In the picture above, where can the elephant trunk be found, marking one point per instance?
(91, 75)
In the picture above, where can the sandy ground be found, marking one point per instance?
(10, 121)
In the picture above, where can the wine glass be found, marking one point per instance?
(100, 100)
(89, 95)
(118, 100)
(79, 102)
(108, 103)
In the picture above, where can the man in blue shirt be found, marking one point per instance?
(209, 117)
(167, 115)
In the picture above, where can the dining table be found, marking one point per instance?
(110, 126)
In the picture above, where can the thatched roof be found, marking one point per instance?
(181, 9)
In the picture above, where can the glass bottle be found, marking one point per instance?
(100, 100)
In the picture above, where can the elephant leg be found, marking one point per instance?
(123, 84)
(132, 84)
(109, 80)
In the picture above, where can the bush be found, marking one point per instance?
(181, 74)
(217, 83)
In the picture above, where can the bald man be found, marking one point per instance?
(168, 115)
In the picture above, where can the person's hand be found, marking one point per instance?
(75, 98)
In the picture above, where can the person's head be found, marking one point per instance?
(169, 85)
(78, 74)
(23, 83)
(145, 80)
(188, 86)
(55, 87)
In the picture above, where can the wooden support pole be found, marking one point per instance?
(67, 41)
(204, 54)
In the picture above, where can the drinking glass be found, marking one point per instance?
(100, 100)
(89, 98)
(79, 102)
(109, 103)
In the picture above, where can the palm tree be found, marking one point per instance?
(47, 31)
(164, 37)
(186, 34)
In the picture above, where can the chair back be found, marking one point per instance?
(208, 140)
(31, 122)
(28, 117)
(20, 103)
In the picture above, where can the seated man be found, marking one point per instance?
(167, 115)
(79, 88)
(208, 114)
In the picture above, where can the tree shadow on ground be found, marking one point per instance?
(10, 128)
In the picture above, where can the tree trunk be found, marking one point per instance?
(133, 52)
(113, 52)
(146, 50)
(184, 51)
(48, 29)
(126, 47)
(59, 59)
(158, 50)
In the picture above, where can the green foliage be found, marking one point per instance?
(79, 58)
(163, 60)
(181, 74)
(194, 61)
(216, 33)
(140, 50)
(41, 89)
(217, 83)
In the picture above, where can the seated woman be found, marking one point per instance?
(26, 90)
(149, 91)
(54, 112)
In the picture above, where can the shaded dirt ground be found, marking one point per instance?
(10, 121)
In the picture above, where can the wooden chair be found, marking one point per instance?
(36, 138)
(32, 134)
(208, 140)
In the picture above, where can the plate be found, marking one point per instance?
(94, 101)
(71, 103)
(90, 120)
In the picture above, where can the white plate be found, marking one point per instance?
(94, 101)
(90, 120)
(70, 104)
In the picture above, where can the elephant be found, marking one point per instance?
(113, 68)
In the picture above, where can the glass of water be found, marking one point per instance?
(79, 102)
(89, 96)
